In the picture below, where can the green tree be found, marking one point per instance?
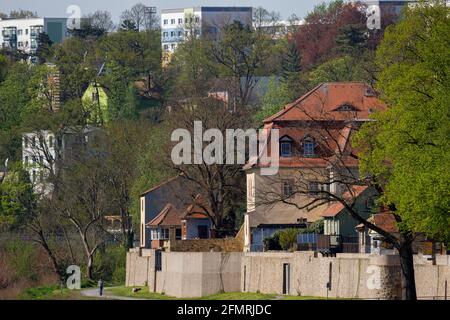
(276, 97)
(352, 38)
(406, 150)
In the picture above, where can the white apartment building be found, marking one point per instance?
(178, 24)
(44, 151)
(22, 34)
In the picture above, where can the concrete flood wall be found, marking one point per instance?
(185, 274)
(361, 276)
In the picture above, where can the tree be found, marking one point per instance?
(128, 25)
(22, 14)
(20, 210)
(406, 150)
(76, 61)
(240, 53)
(221, 184)
(352, 39)
(141, 18)
(44, 45)
(101, 20)
(317, 37)
(275, 98)
(292, 76)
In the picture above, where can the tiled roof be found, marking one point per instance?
(168, 216)
(197, 210)
(337, 207)
(324, 102)
(159, 185)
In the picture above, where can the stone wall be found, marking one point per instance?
(185, 274)
(360, 276)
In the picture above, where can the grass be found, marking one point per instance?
(145, 294)
(51, 293)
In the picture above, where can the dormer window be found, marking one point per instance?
(346, 107)
(286, 146)
(309, 147)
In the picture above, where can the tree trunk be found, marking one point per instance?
(90, 266)
(407, 268)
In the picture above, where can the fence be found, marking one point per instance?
(327, 243)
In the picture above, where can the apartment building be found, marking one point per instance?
(22, 34)
(178, 24)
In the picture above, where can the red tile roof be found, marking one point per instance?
(197, 210)
(337, 207)
(324, 101)
(168, 216)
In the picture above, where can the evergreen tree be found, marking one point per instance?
(291, 63)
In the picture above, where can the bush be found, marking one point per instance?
(288, 238)
(21, 257)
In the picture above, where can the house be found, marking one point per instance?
(95, 101)
(171, 205)
(44, 151)
(372, 242)
(315, 155)
(191, 223)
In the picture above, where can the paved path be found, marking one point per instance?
(93, 292)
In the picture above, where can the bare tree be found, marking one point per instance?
(102, 20)
(220, 184)
(142, 18)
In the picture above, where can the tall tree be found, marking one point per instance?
(407, 149)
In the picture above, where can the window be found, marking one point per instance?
(172, 21)
(166, 47)
(95, 97)
(50, 142)
(41, 176)
(33, 142)
(286, 149)
(178, 234)
(172, 33)
(308, 147)
(180, 33)
(180, 21)
(315, 186)
(20, 44)
(287, 188)
(173, 46)
(26, 32)
(165, 34)
(197, 19)
(41, 160)
(164, 234)
(34, 176)
(25, 141)
(19, 32)
(26, 159)
(166, 21)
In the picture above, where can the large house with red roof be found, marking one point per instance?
(315, 156)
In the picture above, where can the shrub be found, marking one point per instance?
(288, 238)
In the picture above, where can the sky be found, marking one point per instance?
(58, 8)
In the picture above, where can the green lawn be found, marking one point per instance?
(144, 294)
(51, 293)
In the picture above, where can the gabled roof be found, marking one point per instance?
(337, 207)
(168, 216)
(197, 210)
(323, 103)
(159, 185)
